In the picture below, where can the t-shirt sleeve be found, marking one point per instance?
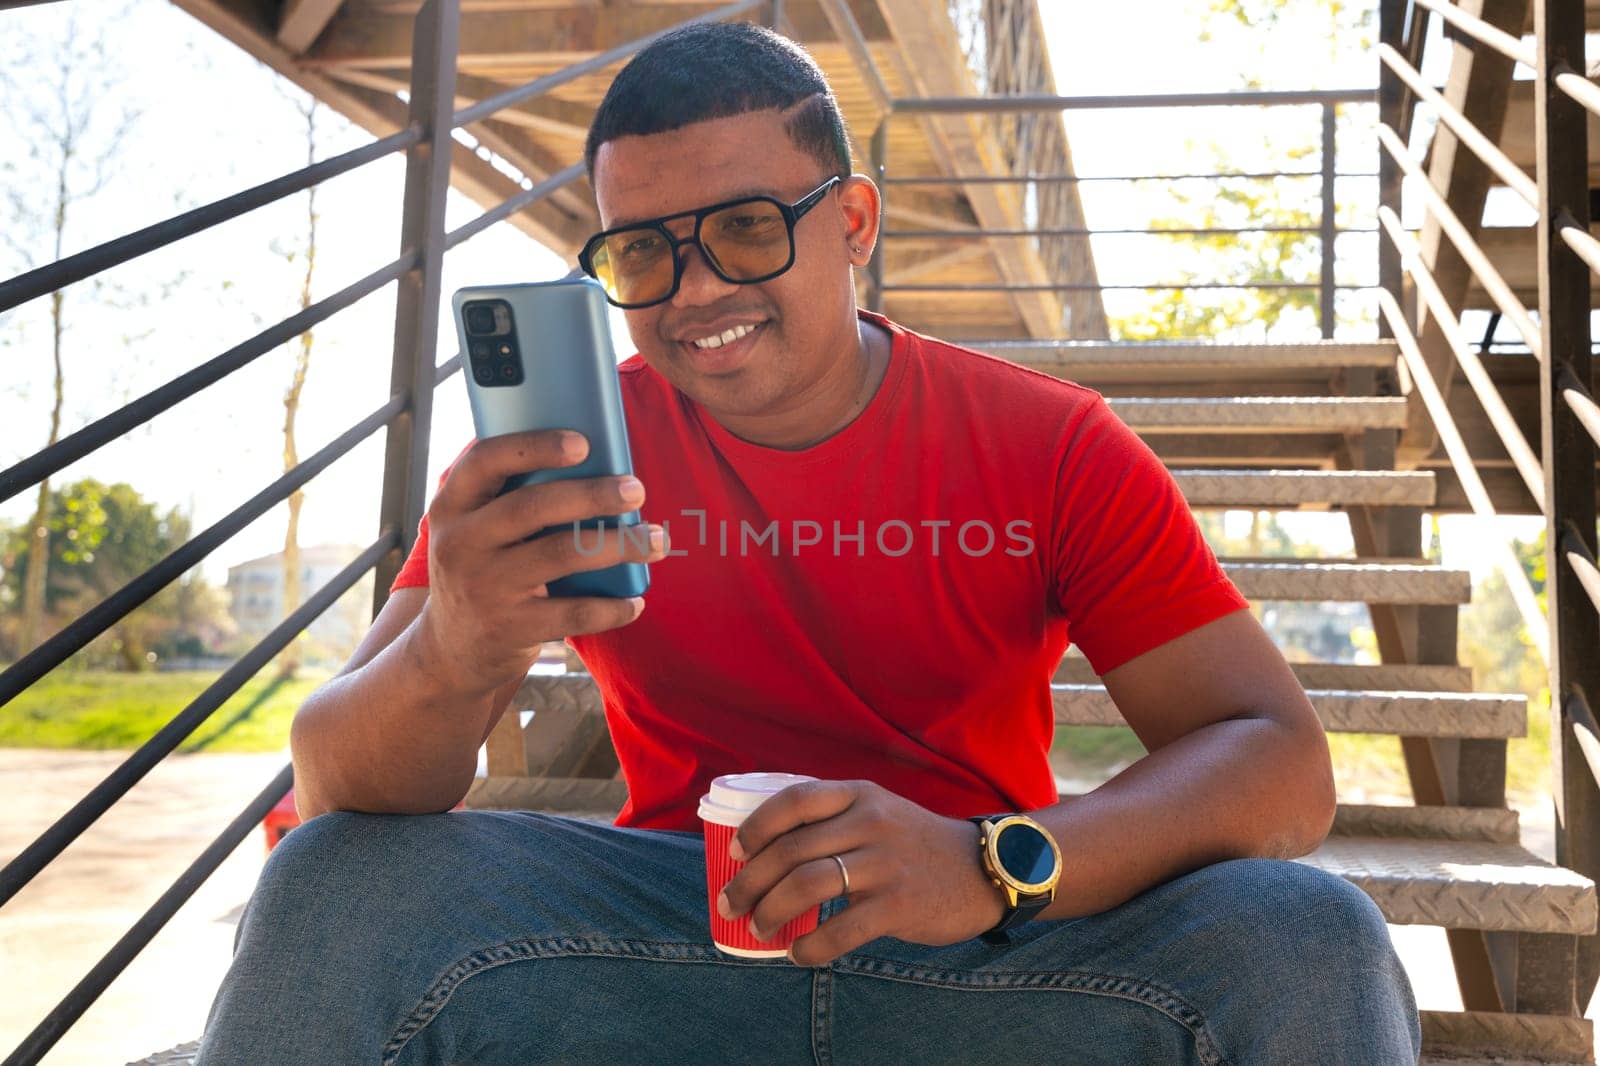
(414, 574)
(1131, 568)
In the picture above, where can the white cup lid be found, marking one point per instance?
(733, 796)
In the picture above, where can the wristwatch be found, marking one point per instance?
(1023, 861)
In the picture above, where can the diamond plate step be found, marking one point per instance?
(1292, 488)
(1461, 1038)
(1353, 582)
(1275, 414)
(1116, 355)
(1411, 714)
(1394, 677)
(1493, 824)
(1461, 884)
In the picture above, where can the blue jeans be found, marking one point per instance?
(514, 937)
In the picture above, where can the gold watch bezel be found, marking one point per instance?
(1013, 886)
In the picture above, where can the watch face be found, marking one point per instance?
(1025, 854)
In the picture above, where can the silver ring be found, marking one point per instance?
(842, 873)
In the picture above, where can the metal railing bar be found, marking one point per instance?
(63, 272)
(1489, 277)
(484, 108)
(1467, 473)
(1582, 562)
(1470, 135)
(1483, 32)
(973, 105)
(442, 372)
(16, 874)
(1579, 400)
(1580, 240)
(559, 180)
(1578, 87)
(1184, 231)
(1091, 287)
(102, 431)
(1046, 179)
(1575, 708)
(55, 1024)
(53, 652)
(1494, 404)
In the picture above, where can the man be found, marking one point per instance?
(879, 548)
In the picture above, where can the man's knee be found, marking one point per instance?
(1288, 909)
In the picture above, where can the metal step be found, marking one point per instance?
(1352, 582)
(1401, 677)
(1261, 489)
(1411, 714)
(1496, 825)
(1265, 414)
(1077, 356)
(1484, 1038)
(1461, 884)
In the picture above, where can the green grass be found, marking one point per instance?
(105, 710)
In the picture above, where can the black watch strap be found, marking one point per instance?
(1025, 910)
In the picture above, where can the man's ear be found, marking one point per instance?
(860, 204)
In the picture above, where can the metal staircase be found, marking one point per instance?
(1452, 861)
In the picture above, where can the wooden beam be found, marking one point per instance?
(520, 38)
(303, 21)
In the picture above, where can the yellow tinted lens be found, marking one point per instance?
(634, 265)
(748, 241)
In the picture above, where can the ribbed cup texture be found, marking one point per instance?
(720, 869)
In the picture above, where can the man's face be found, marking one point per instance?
(802, 323)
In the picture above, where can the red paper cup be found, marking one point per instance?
(723, 810)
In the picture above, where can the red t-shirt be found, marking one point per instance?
(889, 604)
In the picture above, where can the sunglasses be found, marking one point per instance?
(742, 241)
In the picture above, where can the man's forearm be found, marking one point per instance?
(1239, 788)
(387, 738)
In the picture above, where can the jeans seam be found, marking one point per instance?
(822, 1017)
(1147, 993)
(523, 950)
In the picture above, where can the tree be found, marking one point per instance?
(289, 661)
(73, 126)
(100, 538)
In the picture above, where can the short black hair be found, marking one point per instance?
(717, 70)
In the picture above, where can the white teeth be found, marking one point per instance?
(727, 336)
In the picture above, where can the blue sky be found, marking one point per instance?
(211, 120)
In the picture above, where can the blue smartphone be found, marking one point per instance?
(539, 356)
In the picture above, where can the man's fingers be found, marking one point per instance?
(855, 926)
(797, 805)
(478, 475)
(526, 510)
(576, 550)
(804, 887)
(581, 615)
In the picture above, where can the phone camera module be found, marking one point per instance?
(480, 319)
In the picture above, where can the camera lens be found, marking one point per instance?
(484, 374)
(481, 349)
(480, 319)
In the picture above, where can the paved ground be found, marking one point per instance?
(60, 925)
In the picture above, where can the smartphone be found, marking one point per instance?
(539, 356)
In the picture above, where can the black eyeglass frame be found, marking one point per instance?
(792, 214)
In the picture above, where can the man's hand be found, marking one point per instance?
(914, 875)
(488, 610)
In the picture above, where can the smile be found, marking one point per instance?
(727, 336)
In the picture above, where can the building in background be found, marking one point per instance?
(256, 603)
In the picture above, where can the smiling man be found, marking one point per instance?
(880, 546)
